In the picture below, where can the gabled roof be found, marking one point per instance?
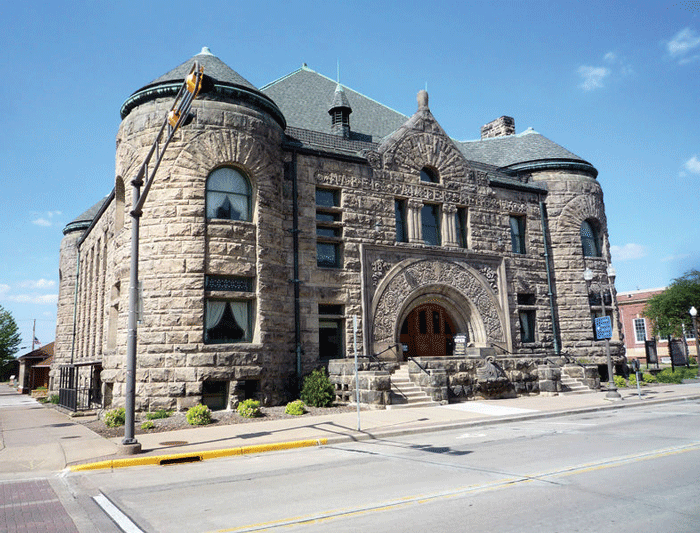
(304, 97)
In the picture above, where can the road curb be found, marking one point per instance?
(190, 457)
(187, 457)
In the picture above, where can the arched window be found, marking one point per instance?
(228, 195)
(429, 175)
(590, 240)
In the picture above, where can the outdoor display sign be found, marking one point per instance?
(678, 352)
(460, 341)
(650, 349)
(603, 328)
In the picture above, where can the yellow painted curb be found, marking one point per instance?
(197, 456)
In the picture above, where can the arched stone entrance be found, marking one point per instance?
(449, 297)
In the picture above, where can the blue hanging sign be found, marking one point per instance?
(603, 328)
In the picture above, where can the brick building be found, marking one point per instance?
(280, 213)
(638, 329)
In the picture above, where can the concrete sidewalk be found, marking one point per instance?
(36, 438)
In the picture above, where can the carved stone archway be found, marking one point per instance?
(456, 285)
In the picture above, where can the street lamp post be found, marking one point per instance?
(612, 393)
(179, 113)
(694, 315)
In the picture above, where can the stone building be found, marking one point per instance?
(281, 213)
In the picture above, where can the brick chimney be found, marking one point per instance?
(498, 128)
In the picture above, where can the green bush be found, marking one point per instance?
(648, 378)
(53, 399)
(620, 382)
(147, 425)
(295, 408)
(632, 380)
(677, 376)
(318, 391)
(249, 408)
(115, 417)
(160, 413)
(199, 415)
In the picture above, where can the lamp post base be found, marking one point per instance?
(131, 448)
(613, 395)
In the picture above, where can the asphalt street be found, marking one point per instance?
(620, 470)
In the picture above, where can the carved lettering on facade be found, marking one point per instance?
(379, 268)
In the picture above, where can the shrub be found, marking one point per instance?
(147, 425)
(115, 417)
(620, 382)
(318, 391)
(53, 399)
(648, 378)
(249, 408)
(632, 380)
(295, 408)
(199, 415)
(160, 413)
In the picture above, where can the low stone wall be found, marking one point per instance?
(374, 381)
(455, 379)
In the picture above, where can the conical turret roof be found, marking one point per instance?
(221, 82)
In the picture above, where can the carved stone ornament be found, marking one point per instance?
(374, 159)
(379, 268)
(490, 371)
(490, 275)
(392, 298)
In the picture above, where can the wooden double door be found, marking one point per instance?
(428, 332)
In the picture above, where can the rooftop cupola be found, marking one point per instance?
(340, 113)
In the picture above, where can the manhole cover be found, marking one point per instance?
(173, 443)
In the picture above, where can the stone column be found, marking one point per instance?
(449, 228)
(415, 229)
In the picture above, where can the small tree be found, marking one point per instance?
(668, 311)
(318, 391)
(9, 337)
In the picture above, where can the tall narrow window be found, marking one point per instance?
(330, 331)
(430, 221)
(461, 226)
(329, 230)
(590, 240)
(527, 326)
(228, 195)
(400, 214)
(640, 330)
(517, 234)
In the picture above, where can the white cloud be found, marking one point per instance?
(692, 165)
(628, 252)
(592, 77)
(41, 222)
(41, 299)
(38, 284)
(4, 289)
(682, 43)
(610, 57)
(45, 218)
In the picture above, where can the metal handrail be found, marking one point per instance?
(418, 364)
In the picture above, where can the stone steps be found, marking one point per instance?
(405, 393)
(573, 386)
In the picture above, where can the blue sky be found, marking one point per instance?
(614, 82)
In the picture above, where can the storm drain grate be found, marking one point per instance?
(178, 460)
